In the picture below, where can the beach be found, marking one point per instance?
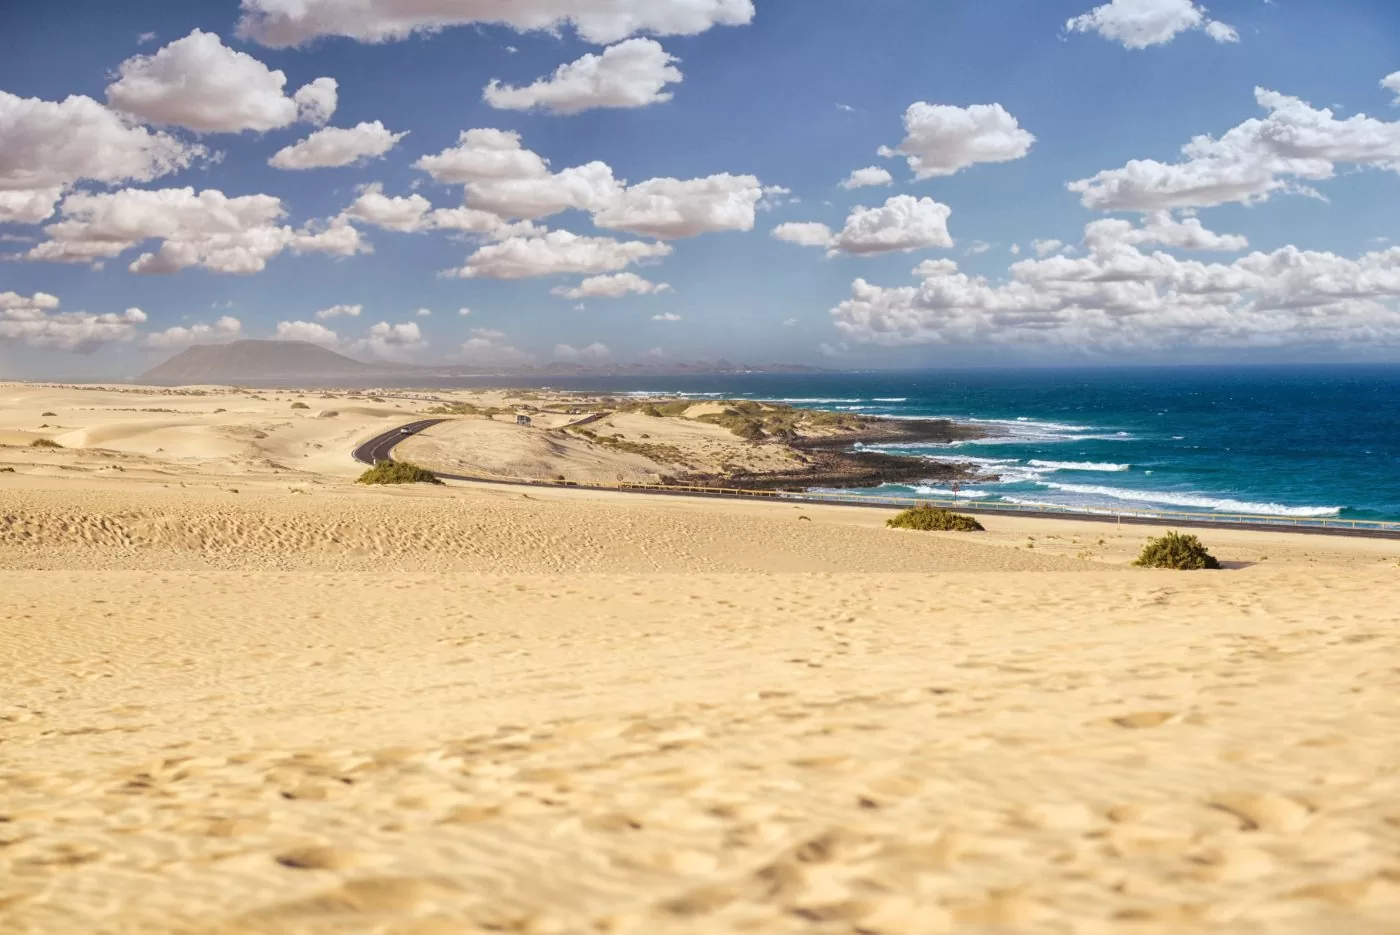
(242, 694)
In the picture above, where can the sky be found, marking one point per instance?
(847, 183)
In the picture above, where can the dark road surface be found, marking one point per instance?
(381, 448)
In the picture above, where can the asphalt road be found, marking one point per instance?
(381, 448)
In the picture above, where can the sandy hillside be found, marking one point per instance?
(238, 698)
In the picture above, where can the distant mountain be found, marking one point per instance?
(297, 363)
(261, 362)
(660, 369)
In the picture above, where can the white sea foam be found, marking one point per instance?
(816, 400)
(1215, 504)
(1104, 467)
(1035, 425)
(1041, 438)
(945, 492)
(891, 399)
(971, 459)
(1041, 504)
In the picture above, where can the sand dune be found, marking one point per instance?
(485, 448)
(683, 753)
(240, 694)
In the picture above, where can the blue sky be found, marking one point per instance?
(1293, 259)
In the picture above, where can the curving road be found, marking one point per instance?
(381, 447)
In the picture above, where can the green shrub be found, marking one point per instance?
(300, 406)
(927, 518)
(1177, 551)
(44, 443)
(751, 430)
(397, 472)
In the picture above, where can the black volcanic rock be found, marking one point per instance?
(258, 361)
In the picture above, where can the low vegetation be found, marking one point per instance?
(926, 518)
(300, 406)
(42, 414)
(662, 454)
(468, 409)
(397, 472)
(755, 422)
(1176, 551)
(44, 443)
(750, 420)
(7, 470)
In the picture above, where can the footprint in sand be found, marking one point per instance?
(319, 858)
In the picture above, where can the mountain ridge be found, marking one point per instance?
(303, 363)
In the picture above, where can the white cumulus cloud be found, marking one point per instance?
(207, 229)
(634, 73)
(943, 140)
(49, 145)
(226, 328)
(865, 178)
(1392, 83)
(34, 321)
(484, 155)
(332, 147)
(503, 178)
(671, 209)
(804, 233)
(1249, 163)
(555, 253)
(414, 213)
(904, 223)
(1137, 24)
(309, 331)
(588, 188)
(1119, 298)
(611, 287)
(339, 311)
(392, 342)
(199, 83)
(283, 23)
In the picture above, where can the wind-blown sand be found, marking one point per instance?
(306, 707)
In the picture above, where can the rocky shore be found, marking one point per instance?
(834, 461)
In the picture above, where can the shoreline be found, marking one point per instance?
(1369, 529)
(839, 463)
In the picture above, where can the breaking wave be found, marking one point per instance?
(1214, 504)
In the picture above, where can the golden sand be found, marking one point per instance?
(242, 697)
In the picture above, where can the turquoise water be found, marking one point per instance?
(1288, 442)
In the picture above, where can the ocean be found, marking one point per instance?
(1304, 441)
